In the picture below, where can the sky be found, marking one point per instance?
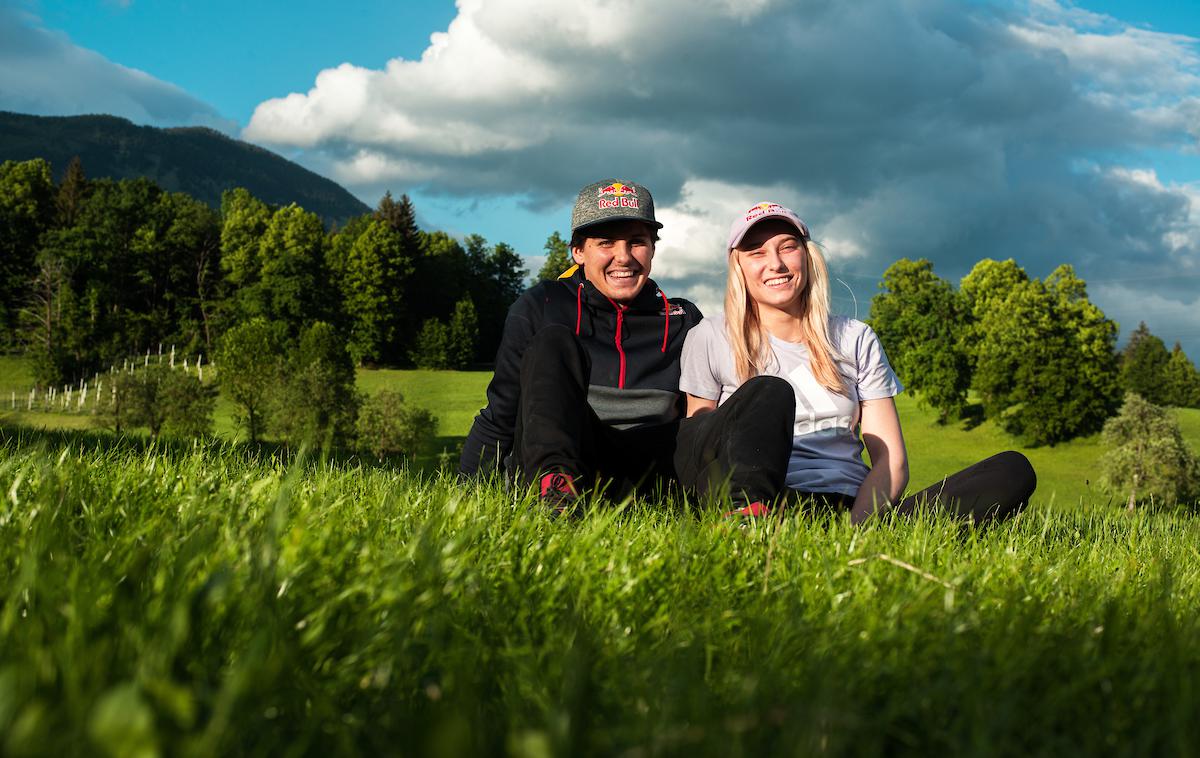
(954, 130)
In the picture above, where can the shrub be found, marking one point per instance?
(1148, 457)
(162, 400)
(387, 426)
(187, 405)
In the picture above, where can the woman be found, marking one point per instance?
(777, 323)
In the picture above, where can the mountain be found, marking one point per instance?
(196, 160)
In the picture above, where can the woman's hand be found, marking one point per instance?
(697, 405)
(881, 434)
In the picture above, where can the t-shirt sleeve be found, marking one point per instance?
(876, 379)
(697, 374)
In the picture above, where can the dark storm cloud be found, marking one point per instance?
(914, 128)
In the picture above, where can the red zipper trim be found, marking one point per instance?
(666, 319)
(617, 340)
(578, 308)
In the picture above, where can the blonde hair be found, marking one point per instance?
(751, 348)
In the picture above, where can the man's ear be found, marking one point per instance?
(577, 255)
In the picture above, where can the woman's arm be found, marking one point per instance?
(697, 405)
(889, 460)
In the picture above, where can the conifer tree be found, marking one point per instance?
(1181, 380)
(71, 193)
(1143, 363)
(463, 334)
(1148, 460)
(376, 272)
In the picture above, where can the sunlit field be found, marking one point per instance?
(209, 598)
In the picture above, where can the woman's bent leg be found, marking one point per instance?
(993, 489)
(744, 444)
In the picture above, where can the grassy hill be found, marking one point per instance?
(199, 161)
(1067, 473)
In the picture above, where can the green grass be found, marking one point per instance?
(15, 376)
(200, 600)
(453, 396)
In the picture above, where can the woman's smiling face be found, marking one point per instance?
(773, 259)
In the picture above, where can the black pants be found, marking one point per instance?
(995, 488)
(743, 445)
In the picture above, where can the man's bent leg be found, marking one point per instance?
(744, 444)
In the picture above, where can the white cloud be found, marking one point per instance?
(44, 73)
(897, 128)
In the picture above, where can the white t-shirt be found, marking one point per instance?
(826, 448)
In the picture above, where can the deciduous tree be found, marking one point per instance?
(249, 367)
(558, 258)
(318, 403)
(26, 211)
(1043, 354)
(920, 320)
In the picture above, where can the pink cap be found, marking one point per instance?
(761, 212)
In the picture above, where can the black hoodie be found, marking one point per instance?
(635, 373)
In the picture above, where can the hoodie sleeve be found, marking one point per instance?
(491, 435)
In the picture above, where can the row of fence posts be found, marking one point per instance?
(77, 394)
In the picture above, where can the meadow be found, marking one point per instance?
(207, 598)
(1067, 473)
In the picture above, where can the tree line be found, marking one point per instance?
(92, 270)
(1040, 357)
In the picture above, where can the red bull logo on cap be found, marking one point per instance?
(617, 195)
(764, 209)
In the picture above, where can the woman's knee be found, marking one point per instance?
(1018, 470)
(769, 394)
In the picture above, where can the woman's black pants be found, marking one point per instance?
(995, 488)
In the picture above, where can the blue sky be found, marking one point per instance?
(1041, 130)
(235, 54)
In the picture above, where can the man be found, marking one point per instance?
(586, 387)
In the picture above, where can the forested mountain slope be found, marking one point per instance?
(196, 160)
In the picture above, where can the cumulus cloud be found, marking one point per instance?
(44, 73)
(918, 128)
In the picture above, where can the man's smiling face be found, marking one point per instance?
(616, 258)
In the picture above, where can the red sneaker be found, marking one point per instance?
(559, 494)
(753, 510)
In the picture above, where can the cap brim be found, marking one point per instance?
(733, 243)
(597, 222)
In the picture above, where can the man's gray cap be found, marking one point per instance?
(612, 200)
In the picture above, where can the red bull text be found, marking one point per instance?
(617, 195)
